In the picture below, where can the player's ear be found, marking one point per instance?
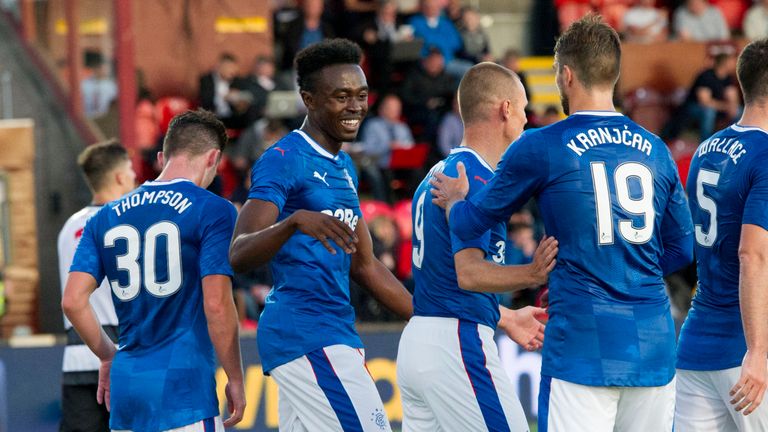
(308, 99)
(213, 157)
(161, 158)
(567, 75)
(505, 109)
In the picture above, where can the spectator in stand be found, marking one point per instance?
(376, 37)
(427, 93)
(451, 130)
(644, 23)
(248, 148)
(756, 21)
(437, 31)
(219, 95)
(343, 12)
(697, 21)
(382, 134)
(259, 83)
(477, 45)
(99, 89)
(307, 28)
(713, 93)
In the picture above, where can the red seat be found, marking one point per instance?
(733, 11)
(372, 209)
(409, 158)
(402, 214)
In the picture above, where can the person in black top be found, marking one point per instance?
(713, 93)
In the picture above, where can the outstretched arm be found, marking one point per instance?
(749, 391)
(475, 273)
(374, 276)
(257, 237)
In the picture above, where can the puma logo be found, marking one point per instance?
(322, 178)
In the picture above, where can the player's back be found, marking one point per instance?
(726, 188)
(437, 293)
(155, 245)
(608, 190)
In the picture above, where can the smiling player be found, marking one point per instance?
(303, 214)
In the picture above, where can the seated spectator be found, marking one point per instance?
(377, 37)
(427, 93)
(437, 31)
(713, 93)
(697, 21)
(756, 21)
(259, 83)
(644, 23)
(218, 95)
(248, 148)
(99, 89)
(477, 45)
(380, 135)
(451, 130)
(305, 29)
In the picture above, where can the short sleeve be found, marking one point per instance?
(756, 204)
(273, 176)
(87, 257)
(677, 222)
(215, 239)
(481, 242)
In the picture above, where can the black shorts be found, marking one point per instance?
(79, 410)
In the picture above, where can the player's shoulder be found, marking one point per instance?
(286, 149)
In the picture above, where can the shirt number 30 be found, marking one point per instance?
(129, 262)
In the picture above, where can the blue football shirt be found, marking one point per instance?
(609, 191)
(437, 292)
(308, 307)
(154, 246)
(727, 187)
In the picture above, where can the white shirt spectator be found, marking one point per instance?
(709, 25)
(644, 24)
(756, 21)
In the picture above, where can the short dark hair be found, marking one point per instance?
(592, 49)
(479, 88)
(98, 160)
(752, 71)
(318, 56)
(194, 133)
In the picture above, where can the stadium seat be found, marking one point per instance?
(648, 108)
(169, 107)
(733, 11)
(402, 214)
(372, 209)
(409, 158)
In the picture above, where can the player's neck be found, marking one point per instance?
(595, 100)
(331, 146)
(106, 195)
(177, 169)
(483, 140)
(755, 115)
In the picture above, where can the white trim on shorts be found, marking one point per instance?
(214, 424)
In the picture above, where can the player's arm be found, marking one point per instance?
(676, 225)
(80, 313)
(374, 276)
(78, 309)
(475, 273)
(221, 315)
(258, 236)
(749, 391)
